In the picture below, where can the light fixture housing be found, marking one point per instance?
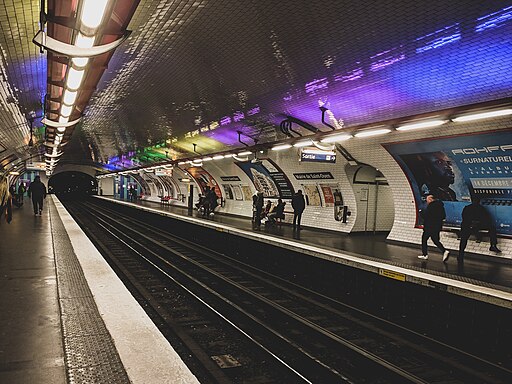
(303, 143)
(281, 147)
(483, 115)
(421, 124)
(336, 138)
(372, 132)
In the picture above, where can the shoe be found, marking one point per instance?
(424, 257)
(446, 256)
(495, 249)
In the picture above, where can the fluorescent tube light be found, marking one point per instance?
(61, 129)
(423, 124)
(80, 61)
(92, 12)
(83, 41)
(304, 143)
(182, 163)
(484, 115)
(373, 132)
(63, 119)
(218, 157)
(244, 153)
(281, 147)
(65, 110)
(208, 158)
(336, 138)
(75, 77)
(69, 97)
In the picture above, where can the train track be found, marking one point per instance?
(264, 328)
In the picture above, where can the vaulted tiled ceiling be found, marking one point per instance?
(22, 80)
(197, 71)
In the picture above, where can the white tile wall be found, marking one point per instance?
(370, 151)
(402, 213)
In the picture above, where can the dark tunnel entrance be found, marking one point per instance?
(72, 184)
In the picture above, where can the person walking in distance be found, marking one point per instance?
(298, 205)
(21, 193)
(433, 217)
(37, 191)
(474, 218)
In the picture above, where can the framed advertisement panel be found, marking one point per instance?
(458, 168)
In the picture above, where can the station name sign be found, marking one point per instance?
(230, 178)
(313, 176)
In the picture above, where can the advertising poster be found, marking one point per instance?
(237, 192)
(312, 195)
(328, 195)
(227, 191)
(456, 169)
(268, 178)
(204, 179)
(247, 192)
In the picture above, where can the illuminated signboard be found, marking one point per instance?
(458, 169)
(163, 172)
(35, 166)
(317, 156)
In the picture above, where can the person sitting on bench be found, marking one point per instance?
(278, 212)
(475, 218)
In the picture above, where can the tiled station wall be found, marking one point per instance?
(396, 209)
(370, 151)
(375, 204)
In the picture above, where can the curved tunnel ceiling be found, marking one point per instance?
(199, 71)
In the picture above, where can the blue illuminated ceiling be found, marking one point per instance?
(203, 69)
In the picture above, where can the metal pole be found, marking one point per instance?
(191, 199)
(376, 206)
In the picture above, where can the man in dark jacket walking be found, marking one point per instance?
(474, 218)
(298, 205)
(37, 191)
(433, 217)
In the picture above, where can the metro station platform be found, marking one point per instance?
(483, 278)
(66, 317)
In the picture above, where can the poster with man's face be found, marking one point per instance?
(458, 169)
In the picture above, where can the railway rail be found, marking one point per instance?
(261, 328)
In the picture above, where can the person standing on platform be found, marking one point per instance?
(212, 197)
(433, 217)
(5, 200)
(257, 205)
(474, 218)
(298, 205)
(21, 193)
(37, 191)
